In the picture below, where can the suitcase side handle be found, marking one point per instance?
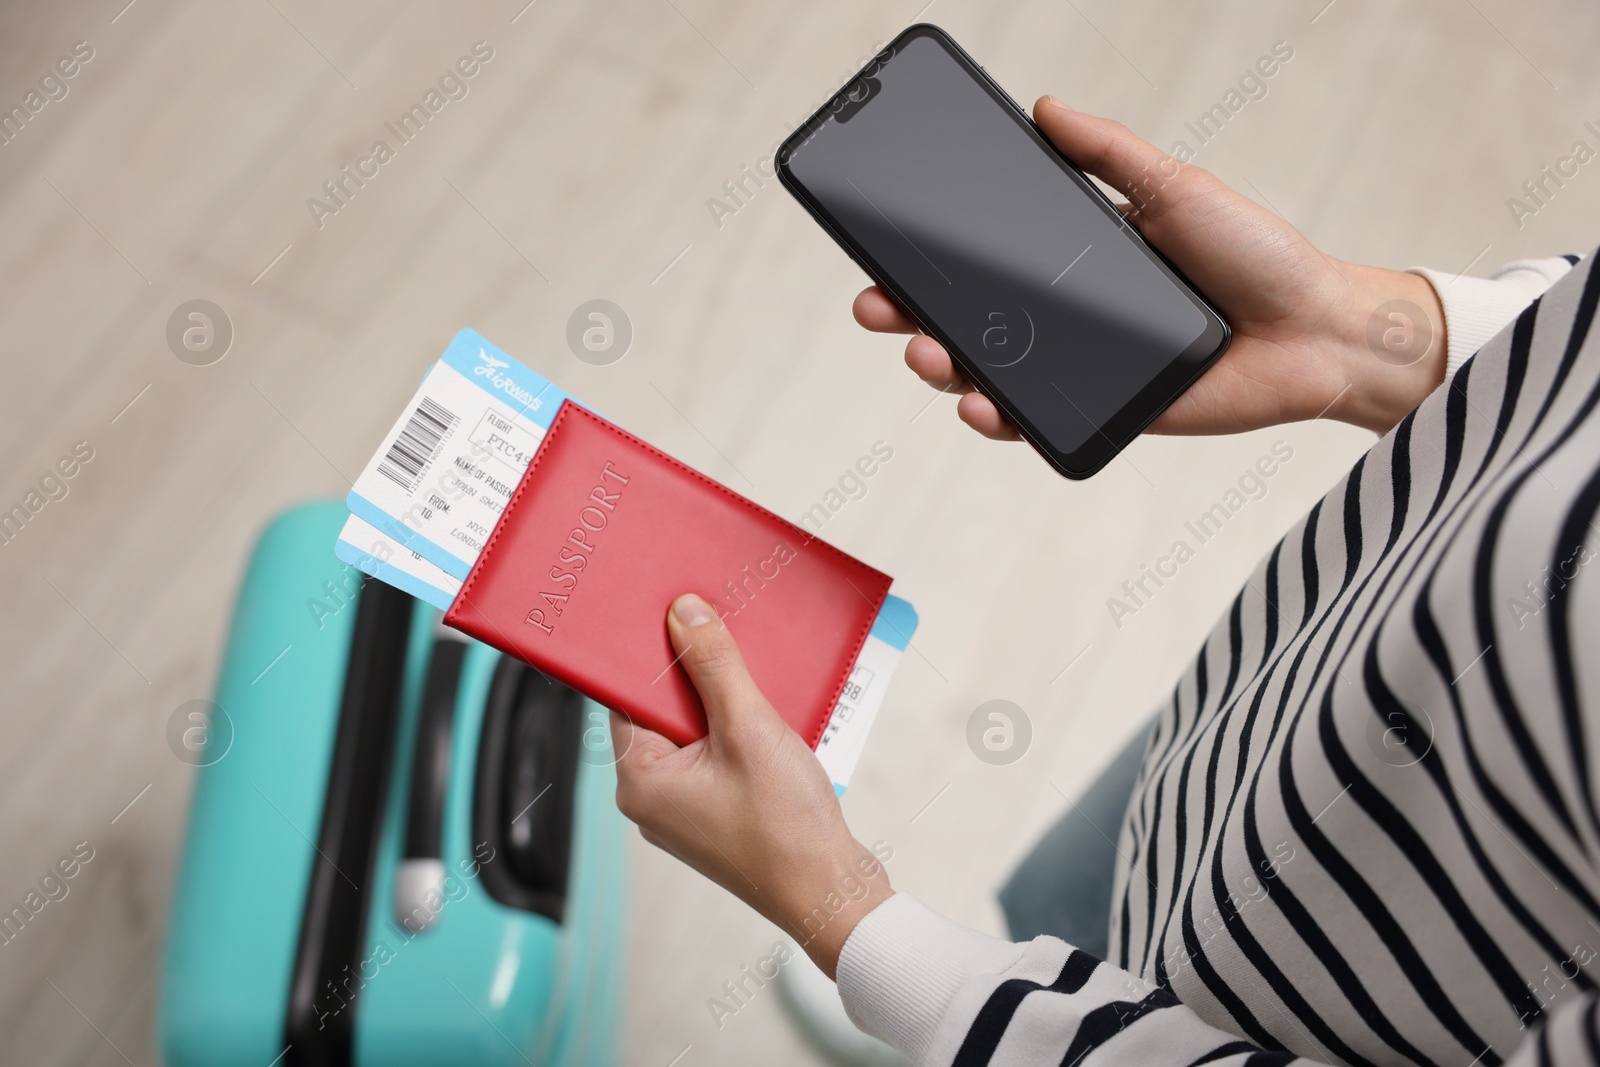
(525, 800)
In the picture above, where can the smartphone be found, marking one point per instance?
(944, 190)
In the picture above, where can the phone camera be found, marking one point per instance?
(849, 102)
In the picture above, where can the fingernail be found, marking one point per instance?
(1058, 103)
(690, 610)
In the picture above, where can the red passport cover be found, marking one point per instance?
(604, 532)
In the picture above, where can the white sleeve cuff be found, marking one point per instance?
(904, 963)
(1475, 309)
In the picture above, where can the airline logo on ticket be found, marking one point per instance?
(447, 469)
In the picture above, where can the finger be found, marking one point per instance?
(1132, 215)
(979, 412)
(877, 312)
(640, 754)
(928, 359)
(711, 658)
(1152, 180)
(639, 746)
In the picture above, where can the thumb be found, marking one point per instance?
(711, 657)
(1153, 181)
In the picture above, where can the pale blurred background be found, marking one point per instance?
(580, 166)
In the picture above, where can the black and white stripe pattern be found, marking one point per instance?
(1367, 825)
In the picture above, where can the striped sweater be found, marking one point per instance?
(1367, 827)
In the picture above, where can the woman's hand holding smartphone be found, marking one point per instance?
(1069, 321)
(1301, 319)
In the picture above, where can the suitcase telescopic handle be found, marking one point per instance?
(420, 876)
(333, 918)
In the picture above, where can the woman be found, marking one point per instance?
(1364, 828)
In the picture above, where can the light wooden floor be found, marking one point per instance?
(178, 167)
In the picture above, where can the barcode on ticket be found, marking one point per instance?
(425, 485)
(417, 444)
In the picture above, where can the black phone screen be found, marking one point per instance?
(930, 175)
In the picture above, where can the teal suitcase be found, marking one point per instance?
(403, 847)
